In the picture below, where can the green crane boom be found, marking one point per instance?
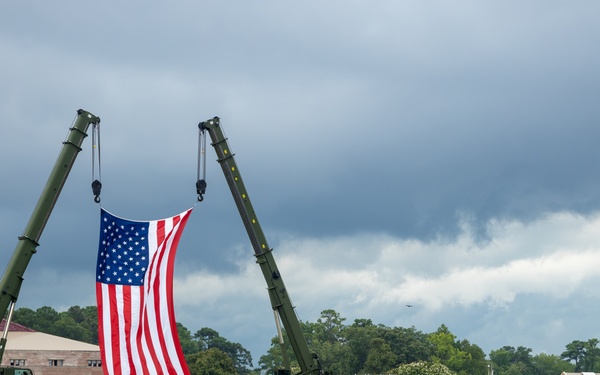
(13, 276)
(279, 297)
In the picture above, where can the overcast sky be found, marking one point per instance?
(438, 154)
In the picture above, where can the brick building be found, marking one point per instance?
(48, 354)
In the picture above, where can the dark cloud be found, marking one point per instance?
(405, 120)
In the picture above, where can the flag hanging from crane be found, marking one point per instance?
(137, 331)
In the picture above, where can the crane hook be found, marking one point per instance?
(201, 189)
(96, 188)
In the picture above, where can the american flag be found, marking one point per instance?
(137, 331)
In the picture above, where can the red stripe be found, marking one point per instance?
(170, 273)
(155, 278)
(139, 334)
(114, 329)
(126, 330)
(160, 236)
(157, 289)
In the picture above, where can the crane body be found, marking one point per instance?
(278, 294)
(10, 284)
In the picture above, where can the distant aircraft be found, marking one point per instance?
(408, 305)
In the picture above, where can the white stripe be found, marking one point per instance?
(160, 316)
(106, 332)
(123, 355)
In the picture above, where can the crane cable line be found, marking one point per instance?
(96, 184)
(201, 169)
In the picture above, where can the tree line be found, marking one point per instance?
(361, 347)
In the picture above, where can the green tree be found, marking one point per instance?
(326, 337)
(273, 359)
(359, 337)
(42, 319)
(67, 327)
(25, 316)
(46, 316)
(408, 344)
(76, 323)
(476, 364)
(188, 344)
(592, 355)
(585, 354)
(545, 364)
(210, 362)
(380, 357)
(575, 352)
(209, 338)
(329, 327)
(508, 360)
(87, 318)
(446, 351)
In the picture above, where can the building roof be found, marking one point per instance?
(23, 338)
(42, 341)
(14, 327)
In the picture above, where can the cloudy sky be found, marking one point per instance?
(438, 154)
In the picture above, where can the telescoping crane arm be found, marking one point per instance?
(11, 281)
(280, 300)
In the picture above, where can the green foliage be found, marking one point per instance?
(241, 357)
(546, 364)
(408, 344)
(76, 323)
(477, 364)
(210, 362)
(205, 349)
(446, 351)
(358, 348)
(508, 360)
(188, 344)
(585, 354)
(380, 357)
(363, 347)
(329, 327)
(462, 357)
